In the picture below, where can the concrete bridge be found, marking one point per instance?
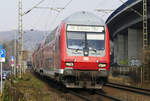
(126, 30)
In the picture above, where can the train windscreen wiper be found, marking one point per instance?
(77, 49)
(82, 44)
(93, 49)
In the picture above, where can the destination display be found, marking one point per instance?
(85, 28)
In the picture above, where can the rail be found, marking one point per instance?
(108, 96)
(80, 96)
(130, 88)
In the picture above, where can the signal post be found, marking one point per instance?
(2, 59)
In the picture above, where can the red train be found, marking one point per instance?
(76, 53)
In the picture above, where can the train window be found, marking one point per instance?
(96, 41)
(77, 40)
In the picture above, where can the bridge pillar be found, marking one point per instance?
(120, 49)
(135, 43)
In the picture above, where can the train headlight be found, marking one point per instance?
(70, 64)
(102, 65)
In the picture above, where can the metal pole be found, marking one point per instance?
(1, 79)
(145, 42)
(141, 75)
(15, 55)
(145, 34)
(20, 36)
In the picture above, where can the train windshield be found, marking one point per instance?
(96, 41)
(81, 38)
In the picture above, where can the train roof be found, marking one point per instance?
(84, 18)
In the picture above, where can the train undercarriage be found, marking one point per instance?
(84, 79)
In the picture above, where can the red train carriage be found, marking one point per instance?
(77, 52)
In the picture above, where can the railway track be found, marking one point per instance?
(62, 89)
(96, 92)
(75, 92)
(80, 96)
(108, 96)
(130, 88)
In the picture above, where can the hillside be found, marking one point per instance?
(31, 38)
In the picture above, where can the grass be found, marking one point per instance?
(29, 88)
(128, 81)
(120, 80)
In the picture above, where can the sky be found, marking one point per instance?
(45, 19)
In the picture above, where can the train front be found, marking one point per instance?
(85, 51)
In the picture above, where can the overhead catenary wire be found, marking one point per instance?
(67, 4)
(38, 19)
(41, 16)
(48, 18)
(55, 9)
(59, 10)
(63, 8)
(104, 12)
(51, 8)
(33, 7)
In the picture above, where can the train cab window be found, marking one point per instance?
(77, 40)
(96, 41)
(79, 37)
